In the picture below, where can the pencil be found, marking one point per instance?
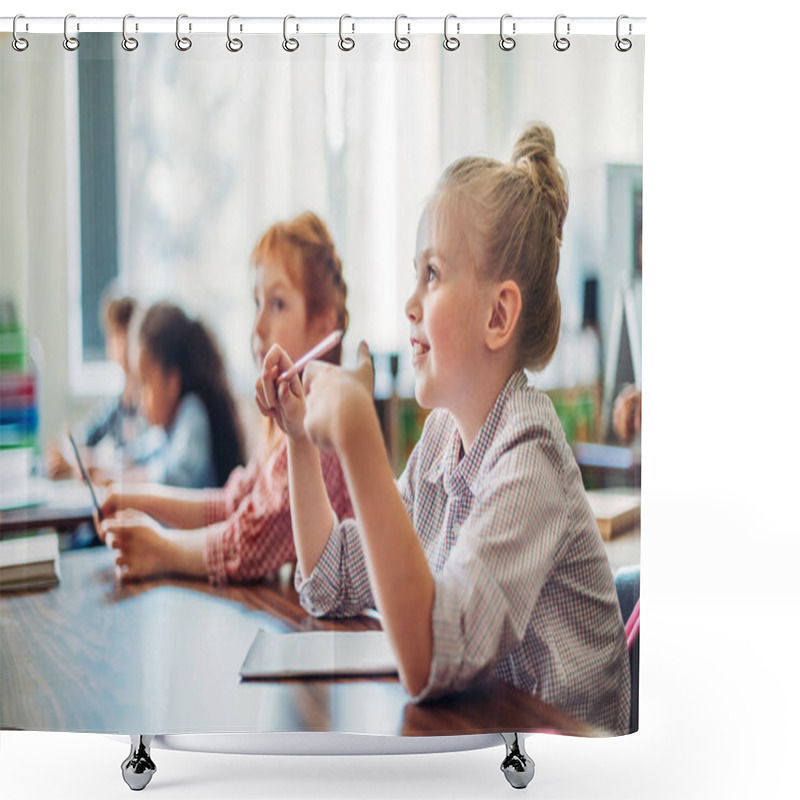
(85, 476)
(327, 344)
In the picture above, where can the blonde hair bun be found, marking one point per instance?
(535, 155)
(535, 142)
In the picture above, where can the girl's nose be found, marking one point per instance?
(413, 307)
(260, 327)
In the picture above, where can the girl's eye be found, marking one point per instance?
(432, 274)
(277, 304)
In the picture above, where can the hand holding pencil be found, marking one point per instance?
(279, 391)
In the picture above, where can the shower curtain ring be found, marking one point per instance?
(183, 43)
(289, 44)
(129, 43)
(451, 42)
(234, 45)
(18, 43)
(561, 43)
(623, 45)
(401, 43)
(346, 43)
(507, 42)
(70, 42)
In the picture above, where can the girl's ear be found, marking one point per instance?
(505, 311)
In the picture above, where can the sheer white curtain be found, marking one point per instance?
(214, 147)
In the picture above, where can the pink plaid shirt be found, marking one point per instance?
(523, 588)
(256, 538)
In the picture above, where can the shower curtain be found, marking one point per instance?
(152, 170)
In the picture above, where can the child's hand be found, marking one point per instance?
(143, 550)
(336, 399)
(627, 414)
(113, 502)
(58, 468)
(98, 476)
(284, 401)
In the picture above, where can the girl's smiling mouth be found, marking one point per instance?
(418, 350)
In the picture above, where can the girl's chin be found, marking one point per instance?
(423, 394)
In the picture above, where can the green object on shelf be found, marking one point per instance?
(11, 442)
(576, 410)
(13, 349)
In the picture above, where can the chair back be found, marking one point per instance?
(626, 581)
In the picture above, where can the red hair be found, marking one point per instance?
(304, 245)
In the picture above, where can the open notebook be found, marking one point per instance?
(318, 654)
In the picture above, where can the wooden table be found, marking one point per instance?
(163, 656)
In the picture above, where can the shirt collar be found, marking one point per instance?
(459, 473)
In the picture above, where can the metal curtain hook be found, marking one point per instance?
(234, 45)
(401, 42)
(128, 42)
(451, 42)
(183, 43)
(70, 42)
(289, 45)
(623, 45)
(345, 42)
(507, 42)
(18, 43)
(561, 43)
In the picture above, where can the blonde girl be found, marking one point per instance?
(484, 557)
(243, 532)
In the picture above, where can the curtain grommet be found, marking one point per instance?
(18, 42)
(451, 43)
(401, 43)
(129, 43)
(183, 43)
(561, 43)
(289, 44)
(233, 44)
(70, 43)
(623, 44)
(507, 43)
(346, 43)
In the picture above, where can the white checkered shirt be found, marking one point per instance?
(523, 587)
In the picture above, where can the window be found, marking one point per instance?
(93, 186)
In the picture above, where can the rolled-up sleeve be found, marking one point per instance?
(485, 594)
(339, 583)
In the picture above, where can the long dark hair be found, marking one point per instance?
(175, 341)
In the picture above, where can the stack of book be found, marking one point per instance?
(19, 417)
(29, 562)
